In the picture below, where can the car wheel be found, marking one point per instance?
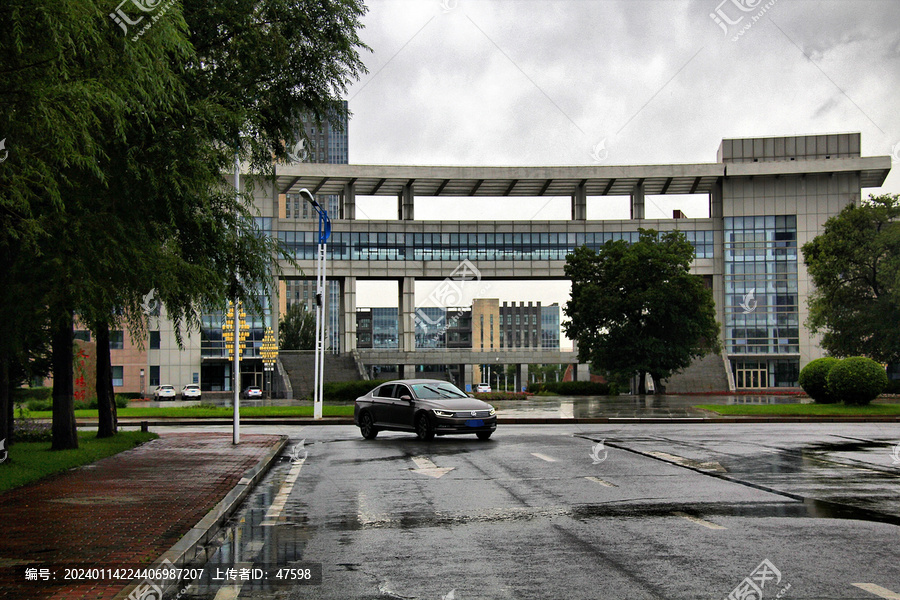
(367, 426)
(424, 429)
(484, 435)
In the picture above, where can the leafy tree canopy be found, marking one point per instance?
(297, 329)
(855, 266)
(637, 309)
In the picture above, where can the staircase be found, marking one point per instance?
(708, 374)
(300, 367)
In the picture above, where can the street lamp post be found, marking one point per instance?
(324, 234)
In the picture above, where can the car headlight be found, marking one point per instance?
(442, 413)
(492, 411)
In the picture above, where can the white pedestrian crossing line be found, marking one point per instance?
(878, 591)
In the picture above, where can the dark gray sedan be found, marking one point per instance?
(428, 407)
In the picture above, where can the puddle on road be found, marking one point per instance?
(246, 542)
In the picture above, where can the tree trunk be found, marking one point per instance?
(106, 398)
(642, 383)
(65, 434)
(658, 387)
(6, 413)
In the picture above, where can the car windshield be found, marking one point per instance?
(431, 391)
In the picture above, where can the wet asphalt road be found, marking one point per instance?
(599, 512)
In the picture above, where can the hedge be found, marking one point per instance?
(571, 388)
(31, 393)
(857, 380)
(814, 380)
(348, 391)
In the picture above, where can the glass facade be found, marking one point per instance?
(431, 327)
(761, 299)
(459, 246)
(385, 328)
(550, 327)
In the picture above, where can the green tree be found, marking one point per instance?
(636, 308)
(118, 146)
(855, 266)
(297, 329)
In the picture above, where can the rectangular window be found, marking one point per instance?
(154, 375)
(116, 340)
(118, 376)
(83, 334)
(154, 340)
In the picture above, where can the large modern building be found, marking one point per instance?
(766, 198)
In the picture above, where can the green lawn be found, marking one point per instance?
(30, 461)
(222, 411)
(802, 410)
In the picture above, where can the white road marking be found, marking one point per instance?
(277, 506)
(601, 482)
(698, 521)
(878, 590)
(543, 457)
(687, 462)
(228, 593)
(424, 466)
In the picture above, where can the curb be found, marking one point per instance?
(200, 534)
(305, 421)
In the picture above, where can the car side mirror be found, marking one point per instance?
(470, 395)
(406, 397)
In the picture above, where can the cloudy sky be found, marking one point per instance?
(572, 82)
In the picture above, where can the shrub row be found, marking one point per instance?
(37, 393)
(572, 388)
(501, 395)
(855, 380)
(348, 391)
(38, 405)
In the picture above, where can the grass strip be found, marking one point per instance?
(30, 461)
(803, 410)
(219, 411)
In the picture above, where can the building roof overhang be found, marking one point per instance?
(391, 180)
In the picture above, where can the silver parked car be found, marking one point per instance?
(428, 407)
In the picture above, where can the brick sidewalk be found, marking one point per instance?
(125, 510)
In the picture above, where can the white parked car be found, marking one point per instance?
(164, 391)
(190, 392)
(253, 392)
(483, 388)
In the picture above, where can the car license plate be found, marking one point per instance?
(475, 422)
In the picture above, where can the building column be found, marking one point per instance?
(637, 201)
(348, 313)
(468, 380)
(348, 200)
(522, 376)
(407, 371)
(406, 316)
(582, 372)
(715, 201)
(405, 203)
(579, 202)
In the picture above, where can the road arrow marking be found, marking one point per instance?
(878, 590)
(426, 467)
